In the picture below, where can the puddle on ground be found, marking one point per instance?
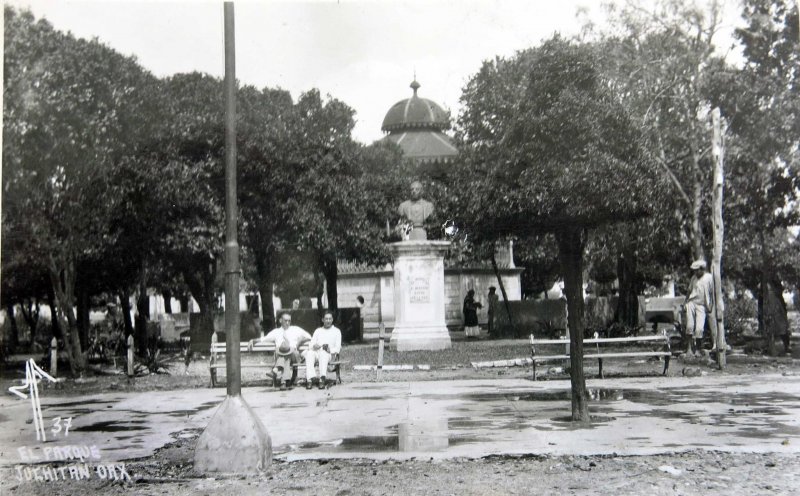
(186, 413)
(749, 415)
(111, 426)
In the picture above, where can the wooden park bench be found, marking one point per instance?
(601, 350)
(217, 360)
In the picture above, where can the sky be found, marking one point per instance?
(365, 53)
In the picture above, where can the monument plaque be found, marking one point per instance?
(420, 291)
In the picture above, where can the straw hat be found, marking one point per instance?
(698, 264)
(284, 349)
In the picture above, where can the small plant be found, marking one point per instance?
(548, 329)
(740, 319)
(153, 362)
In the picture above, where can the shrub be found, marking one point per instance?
(740, 319)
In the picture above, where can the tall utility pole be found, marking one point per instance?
(718, 154)
(232, 356)
(235, 440)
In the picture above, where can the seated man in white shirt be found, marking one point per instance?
(287, 339)
(327, 341)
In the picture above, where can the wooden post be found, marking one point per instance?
(54, 357)
(381, 344)
(130, 355)
(718, 154)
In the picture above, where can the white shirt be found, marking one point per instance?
(701, 290)
(331, 336)
(293, 335)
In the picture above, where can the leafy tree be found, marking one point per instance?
(762, 105)
(551, 149)
(661, 56)
(71, 108)
(266, 134)
(308, 186)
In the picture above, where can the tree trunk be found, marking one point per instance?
(718, 317)
(142, 316)
(627, 312)
(265, 285)
(184, 301)
(695, 233)
(14, 338)
(83, 315)
(774, 316)
(30, 312)
(167, 295)
(125, 303)
(200, 278)
(571, 243)
(62, 278)
(54, 322)
(319, 285)
(505, 296)
(329, 269)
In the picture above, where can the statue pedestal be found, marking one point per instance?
(419, 296)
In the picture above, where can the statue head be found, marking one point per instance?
(416, 190)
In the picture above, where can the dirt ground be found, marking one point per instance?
(170, 470)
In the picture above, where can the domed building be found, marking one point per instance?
(417, 126)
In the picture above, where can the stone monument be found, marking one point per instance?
(419, 282)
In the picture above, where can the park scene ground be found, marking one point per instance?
(450, 428)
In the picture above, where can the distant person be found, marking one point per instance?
(295, 304)
(698, 304)
(360, 304)
(416, 210)
(327, 342)
(287, 339)
(492, 301)
(776, 323)
(470, 310)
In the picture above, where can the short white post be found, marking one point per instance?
(381, 344)
(54, 357)
(130, 355)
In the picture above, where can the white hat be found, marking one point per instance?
(698, 264)
(284, 349)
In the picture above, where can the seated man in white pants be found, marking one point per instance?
(287, 339)
(327, 341)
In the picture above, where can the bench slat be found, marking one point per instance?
(630, 354)
(605, 355)
(626, 340)
(601, 340)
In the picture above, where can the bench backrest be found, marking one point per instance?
(245, 347)
(632, 339)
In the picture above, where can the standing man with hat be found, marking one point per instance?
(699, 303)
(287, 339)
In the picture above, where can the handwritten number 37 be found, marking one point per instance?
(58, 425)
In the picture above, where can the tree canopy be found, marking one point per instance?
(550, 148)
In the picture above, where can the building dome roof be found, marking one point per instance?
(415, 113)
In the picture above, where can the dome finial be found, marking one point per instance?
(414, 84)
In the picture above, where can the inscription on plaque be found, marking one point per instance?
(420, 291)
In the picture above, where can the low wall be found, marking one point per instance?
(543, 318)
(201, 327)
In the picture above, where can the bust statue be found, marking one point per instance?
(416, 210)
